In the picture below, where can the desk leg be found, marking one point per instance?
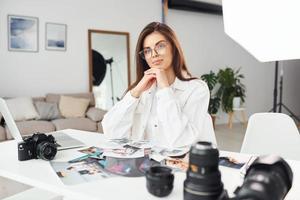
(244, 118)
(230, 119)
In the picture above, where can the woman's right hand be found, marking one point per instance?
(144, 84)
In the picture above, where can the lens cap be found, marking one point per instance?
(159, 180)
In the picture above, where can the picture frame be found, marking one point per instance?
(23, 33)
(56, 36)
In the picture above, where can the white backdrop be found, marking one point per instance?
(34, 74)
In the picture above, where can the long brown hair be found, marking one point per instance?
(178, 61)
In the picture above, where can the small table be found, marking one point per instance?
(39, 174)
(243, 114)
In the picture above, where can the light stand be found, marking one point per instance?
(269, 33)
(109, 61)
(275, 88)
(280, 104)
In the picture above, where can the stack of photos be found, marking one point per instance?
(129, 167)
(94, 165)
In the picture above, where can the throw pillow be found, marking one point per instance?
(95, 114)
(73, 107)
(47, 111)
(22, 108)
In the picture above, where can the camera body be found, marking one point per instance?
(268, 177)
(39, 145)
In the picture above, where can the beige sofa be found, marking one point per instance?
(90, 122)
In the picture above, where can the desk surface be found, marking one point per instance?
(40, 174)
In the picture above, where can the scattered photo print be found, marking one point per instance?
(121, 141)
(230, 162)
(91, 152)
(79, 172)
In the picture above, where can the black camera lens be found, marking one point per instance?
(269, 177)
(46, 150)
(203, 181)
(159, 180)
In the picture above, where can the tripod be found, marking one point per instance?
(280, 104)
(109, 61)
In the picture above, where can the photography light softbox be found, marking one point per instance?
(267, 29)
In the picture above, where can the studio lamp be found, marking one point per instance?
(267, 29)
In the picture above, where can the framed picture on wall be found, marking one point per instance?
(22, 33)
(56, 36)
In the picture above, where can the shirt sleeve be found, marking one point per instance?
(117, 122)
(181, 125)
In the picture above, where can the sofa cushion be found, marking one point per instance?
(32, 126)
(47, 111)
(71, 107)
(54, 98)
(2, 134)
(35, 99)
(95, 114)
(75, 123)
(22, 108)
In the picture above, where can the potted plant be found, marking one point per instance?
(230, 87)
(214, 102)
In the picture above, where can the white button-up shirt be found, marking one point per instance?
(171, 117)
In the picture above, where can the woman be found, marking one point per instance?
(165, 105)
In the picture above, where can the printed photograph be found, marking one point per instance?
(79, 172)
(56, 36)
(22, 33)
(125, 152)
(231, 162)
(91, 152)
(121, 141)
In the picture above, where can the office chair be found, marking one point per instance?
(272, 133)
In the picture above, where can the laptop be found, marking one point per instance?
(63, 140)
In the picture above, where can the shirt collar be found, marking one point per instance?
(179, 84)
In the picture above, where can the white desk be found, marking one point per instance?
(39, 173)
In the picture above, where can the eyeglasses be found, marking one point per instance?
(160, 49)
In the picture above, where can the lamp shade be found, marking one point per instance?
(267, 29)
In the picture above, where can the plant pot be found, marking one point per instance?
(236, 103)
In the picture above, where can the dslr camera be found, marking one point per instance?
(267, 178)
(39, 145)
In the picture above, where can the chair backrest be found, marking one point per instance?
(272, 133)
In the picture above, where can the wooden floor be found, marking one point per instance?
(228, 139)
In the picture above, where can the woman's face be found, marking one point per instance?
(157, 51)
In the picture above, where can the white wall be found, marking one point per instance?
(34, 74)
(207, 47)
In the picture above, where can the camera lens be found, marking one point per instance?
(46, 150)
(203, 181)
(269, 177)
(159, 180)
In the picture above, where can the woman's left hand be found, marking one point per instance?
(160, 75)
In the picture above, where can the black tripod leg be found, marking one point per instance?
(293, 114)
(275, 88)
